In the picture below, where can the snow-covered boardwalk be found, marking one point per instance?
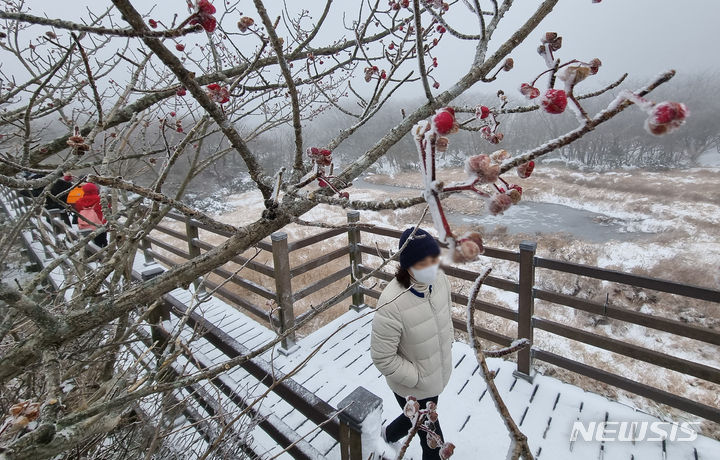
(545, 408)
(338, 362)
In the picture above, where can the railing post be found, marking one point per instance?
(160, 313)
(146, 248)
(360, 408)
(192, 233)
(283, 289)
(526, 305)
(358, 298)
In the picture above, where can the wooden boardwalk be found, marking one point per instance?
(544, 408)
(248, 333)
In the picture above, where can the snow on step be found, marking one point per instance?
(545, 409)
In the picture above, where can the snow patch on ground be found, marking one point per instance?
(710, 159)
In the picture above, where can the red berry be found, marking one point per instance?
(383, 75)
(205, 7)
(218, 93)
(444, 122)
(204, 16)
(209, 24)
(345, 195)
(391, 46)
(172, 114)
(554, 101)
(447, 450)
(436, 85)
(181, 92)
(499, 204)
(525, 170)
(244, 23)
(153, 23)
(528, 91)
(666, 112)
(180, 47)
(666, 117)
(482, 112)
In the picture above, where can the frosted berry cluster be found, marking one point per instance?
(322, 159)
(424, 420)
(484, 180)
(204, 15)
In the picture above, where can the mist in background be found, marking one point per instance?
(640, 37)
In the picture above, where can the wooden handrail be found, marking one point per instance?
(486, 307)
(181, 218)
(171, 232)
(320, 261)
(326, 281)
(680, 328)
(656, 284)
(237, 300)
(647, 355)
(259, 267)
(322, 236)
(467, 275)
(245, 283)
(493, 253)
(168, 247)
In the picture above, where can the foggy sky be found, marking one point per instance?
(642, 37)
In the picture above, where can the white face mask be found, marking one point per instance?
(425, 275)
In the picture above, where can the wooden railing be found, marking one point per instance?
(282, 288)
(526, 321)
(344, 423)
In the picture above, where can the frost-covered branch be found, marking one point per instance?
(519, 447)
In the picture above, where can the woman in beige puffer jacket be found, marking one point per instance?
(412, 333)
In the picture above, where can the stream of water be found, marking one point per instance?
(536, 217)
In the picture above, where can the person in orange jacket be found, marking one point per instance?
(89, 208)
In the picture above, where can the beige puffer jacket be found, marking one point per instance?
(412, 338)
